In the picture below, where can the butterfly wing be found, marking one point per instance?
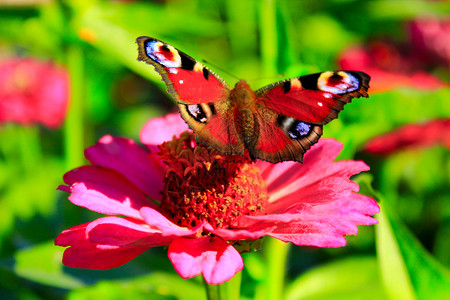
(202, 96)
(280, 138)
(315, 98)
(291, 113)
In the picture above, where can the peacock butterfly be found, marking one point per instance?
(278, 122)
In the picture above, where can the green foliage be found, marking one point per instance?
(349, 278)
(111, 93)
(156, 286)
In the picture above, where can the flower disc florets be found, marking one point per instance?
(202, 184)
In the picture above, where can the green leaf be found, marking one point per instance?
(385, 9)
(158, 285)
(350, 278)
(393, 270)
(42, 264)
(408, 270)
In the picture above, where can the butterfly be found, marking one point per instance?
(278, 122)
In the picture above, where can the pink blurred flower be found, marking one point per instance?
(205, 205)
(32, 91)
(435, 132)
(430, 39)
(387, 67)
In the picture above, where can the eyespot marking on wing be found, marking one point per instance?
(339, 82)
(164, 54)
(201, 113)
(294, 128)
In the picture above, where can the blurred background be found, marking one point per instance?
(69, 75)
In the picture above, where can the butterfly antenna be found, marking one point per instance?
(219, 68)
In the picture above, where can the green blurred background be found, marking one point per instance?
(403, 45)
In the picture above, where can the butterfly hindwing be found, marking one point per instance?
(281, 138)
(315, 98)
(201, 95)
(214, 125)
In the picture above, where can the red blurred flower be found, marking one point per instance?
(387, 67)
(430, 39)
(33, 92)
(205, 205)
(436, 132)
(392, 65)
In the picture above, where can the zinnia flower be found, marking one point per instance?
(430, 39)
(388, 68)
(435, 132)
(205, 205)
(33, 92)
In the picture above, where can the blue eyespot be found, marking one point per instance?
(338, 83)
(164, 54)
(303, 128)
(300, 130)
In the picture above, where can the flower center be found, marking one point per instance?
(203, 185)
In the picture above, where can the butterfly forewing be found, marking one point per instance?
(187, 79)
(316, 98)
(201, 95)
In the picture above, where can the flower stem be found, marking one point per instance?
(269, 37)
(276, 255)
(231, 289)
(73, 129)
(212, 291)
(30, 146)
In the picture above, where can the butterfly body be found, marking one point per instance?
(279, 122)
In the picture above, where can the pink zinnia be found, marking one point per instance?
(32, 91)
(203, 204)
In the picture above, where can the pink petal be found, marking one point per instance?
(124, 156)
(325, 190)
(66, 237)
(211, 256)
(105, 191)
(283, 174)
(323, 225)
(254, 232)
(315, 235)
(318, 179)
(84, 254)
(159, 130)
(116, 231)
(156, 220)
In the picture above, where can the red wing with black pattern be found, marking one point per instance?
(281, 138)
(316, 98)
(202, 96)
(291, 113)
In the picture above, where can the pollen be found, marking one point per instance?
(203, 185)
